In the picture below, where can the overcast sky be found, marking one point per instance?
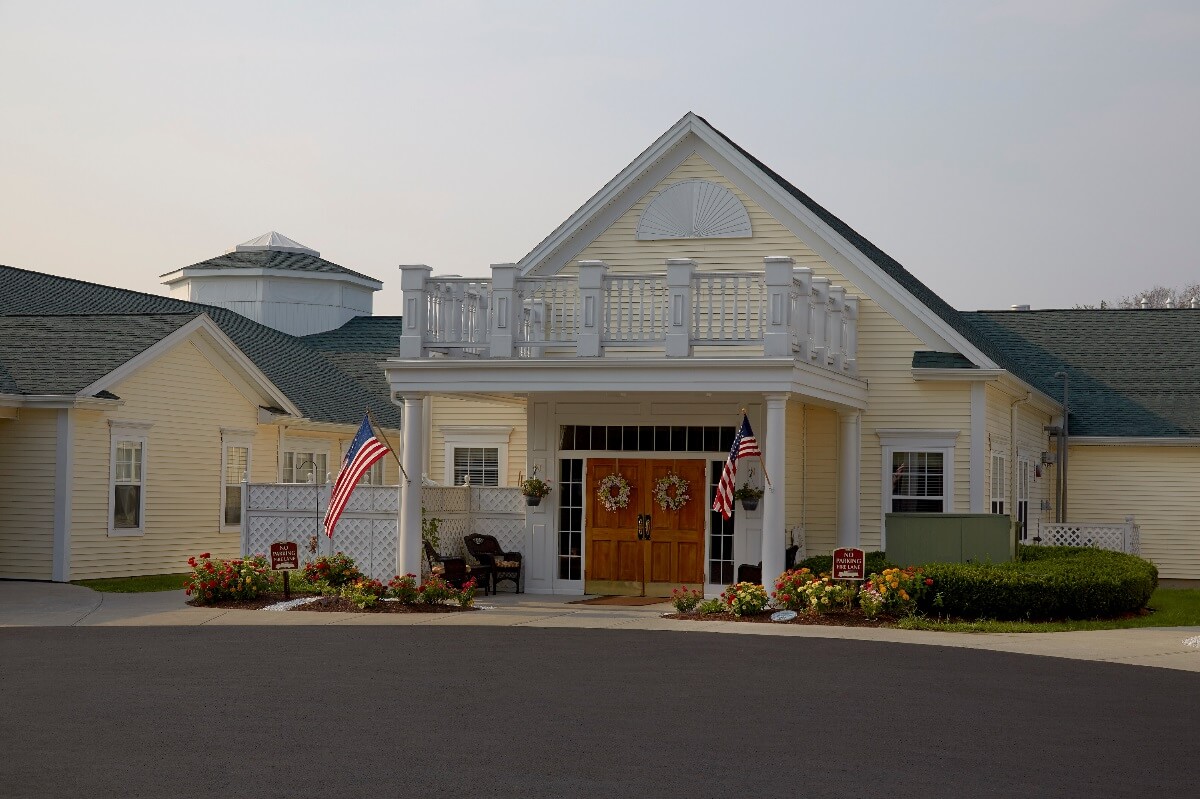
(1041, 152)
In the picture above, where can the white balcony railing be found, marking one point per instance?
(783, 310)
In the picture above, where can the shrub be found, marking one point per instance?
(789, 590)
(404, 589)
(465, 596)
(745, 598)
(363, 592)
(685, 599)
(823, 564)
(710, 606)
(1052, 583)
(824, 595)
(435, 591)
(241, 578)
(332, 570)
(897, 590)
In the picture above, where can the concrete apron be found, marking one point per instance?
(24, 604)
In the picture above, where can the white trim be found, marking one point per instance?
(892, 441)
(839, 253)
(956, 375)
(1003, 476)
(64, 468)
(59, 401)
(123, 430)
(1133, 441)
(977, 454)
(495, 437)
(231, 437)
(171, 278)
(667, 375)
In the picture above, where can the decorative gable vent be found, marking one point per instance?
(694, 209)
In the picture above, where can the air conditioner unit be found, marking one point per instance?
(1049, 457)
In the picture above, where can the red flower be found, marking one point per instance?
(205, 555)
(928, 581)
(192, 562)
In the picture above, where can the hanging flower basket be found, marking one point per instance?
(748, 495)
(533, 489)
(671, 492)
(613, 492)
(532, 501)
(749, 503)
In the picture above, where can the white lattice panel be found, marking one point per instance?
(1117, 537)
(267, 497)
(445, 499)
(497, 500)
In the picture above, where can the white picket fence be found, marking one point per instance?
(368, 528)
(1125, 537)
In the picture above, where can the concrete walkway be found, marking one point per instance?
(27, 604)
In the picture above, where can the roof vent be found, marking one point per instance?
(1145, 303)
(274, 242)
(1018, 308)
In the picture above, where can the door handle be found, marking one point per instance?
(647, 526)
(641, 529)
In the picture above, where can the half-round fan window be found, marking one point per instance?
(694, 209)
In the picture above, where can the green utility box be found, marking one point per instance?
(917, 538)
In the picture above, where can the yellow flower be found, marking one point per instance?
(903, 594)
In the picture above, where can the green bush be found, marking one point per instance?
(823, 564)
(1046, 583)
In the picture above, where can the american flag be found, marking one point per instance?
(744, 446)
(364, 451)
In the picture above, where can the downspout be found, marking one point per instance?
(1014, 471)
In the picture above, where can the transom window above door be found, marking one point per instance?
(645, 438)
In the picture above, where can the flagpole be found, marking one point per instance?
(760, 457)
(392, 449)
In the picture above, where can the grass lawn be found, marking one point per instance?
(1171, 607)
(136, 585)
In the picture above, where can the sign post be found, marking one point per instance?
(849, 563)
(284, 556)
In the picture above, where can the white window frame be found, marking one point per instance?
(893, 441)
(307, 446)
(234, 438)
(479, 437)
(137, 432)
(1025, 465)
(999, 477)
(368, 477)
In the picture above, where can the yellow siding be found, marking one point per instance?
(187, 401)
(885, 347)
(1155, 485)
(1031, 441)
(457, 412)
(27, 463)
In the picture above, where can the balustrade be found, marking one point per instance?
(784, 310)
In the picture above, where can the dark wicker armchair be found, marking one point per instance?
(504, 565)
(455, 570)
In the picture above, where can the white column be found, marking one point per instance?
(591, 301)
(412, 431)
(777, 333)
(774, 446)
(978, 451)
(849, 471)
(505, 310)
(679, 319)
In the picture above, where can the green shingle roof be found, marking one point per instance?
(941, 360)
(1132, 372)
(65, 354)
(312, 381)
(274, 259)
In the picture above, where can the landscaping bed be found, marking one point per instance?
(849, 618)
(337, 604)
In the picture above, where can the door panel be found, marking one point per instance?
(675, 553)
(614, 554)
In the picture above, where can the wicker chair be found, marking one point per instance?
(455, 570)
(504, 565)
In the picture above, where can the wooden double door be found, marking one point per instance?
(642, 549)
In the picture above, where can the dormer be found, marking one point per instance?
(277, 282)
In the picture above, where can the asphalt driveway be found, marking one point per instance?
(520, 712)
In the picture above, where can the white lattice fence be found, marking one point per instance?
(367, 530)
(464, 511)
(1124, 537)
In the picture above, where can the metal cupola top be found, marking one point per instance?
(276, 242)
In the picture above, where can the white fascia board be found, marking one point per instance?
(956, 375)
(228, 349)
(59, 401)
(184, 274)
(418, 377)
(1133, 441)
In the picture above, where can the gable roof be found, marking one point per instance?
(1133, 373)
(65, 354)
(321, 390)
(359, 346)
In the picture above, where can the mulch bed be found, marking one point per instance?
(835, 619)
(327, 604)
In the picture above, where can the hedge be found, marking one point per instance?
(823, 564)
(1045, 583)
